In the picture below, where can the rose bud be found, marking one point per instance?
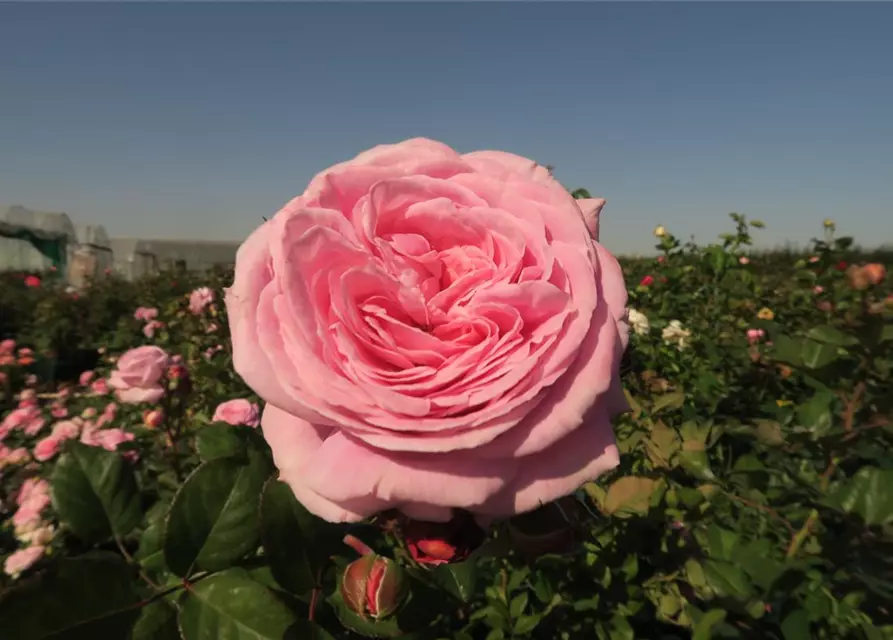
(373, 587)
(153, 418)
(433, 543)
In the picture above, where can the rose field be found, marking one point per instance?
(179, 460)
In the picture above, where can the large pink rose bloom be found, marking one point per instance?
(432, 331)
(139, 374)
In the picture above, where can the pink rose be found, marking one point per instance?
(432, 331)
(34, 491)
(86, 378)
(59, 411)
(99, 387)
(20, 416)
(22, 560)
(110, 439)
(236, 412)
(34, 426)
(47, 448)
(151, 327)
(139, 374)
(66, 430)
(90, 435)
(755, 335)
(199, 299)
(7, 346)
(145, 314)
(13, 456)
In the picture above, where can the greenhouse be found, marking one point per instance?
(35, 241)
(135, 257)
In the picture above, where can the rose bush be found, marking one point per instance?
(432, 331)
(750, 501)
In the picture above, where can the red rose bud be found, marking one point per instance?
(433, 543)
(841, 266)
(647, 281)
(373, 587)
(153, 418)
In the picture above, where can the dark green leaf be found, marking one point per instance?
(671, 400)
(703, 629)
(90, 596)
(526, 624)
(231, 605)
(157, 621)
(95, 493)
(816, 414)
(459, 578)
(214, 520)
(815, 355)
(726, 579)
(221, 441)
(867, 494)
(297, 543)
(831, 335)
(518, 604)
(795, 626)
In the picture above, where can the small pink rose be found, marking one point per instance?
(755, 335)
(139, 375)
(111, 439)
(34, 490)
(66, 430)
(47, 448)
(20, 561)
(147, 314)
(199, 299)
(151, 327)
(34, 426)
(99, 387)
(237, 412)
(13, 456)
(7, 346)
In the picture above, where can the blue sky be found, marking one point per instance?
(194, 120)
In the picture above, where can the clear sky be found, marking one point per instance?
(194, 120)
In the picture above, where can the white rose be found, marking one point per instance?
(638, 321)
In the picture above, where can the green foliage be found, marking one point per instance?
(752, 500)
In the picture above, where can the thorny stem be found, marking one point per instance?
(130, 559)
(849, 415)
(314, 595)
(768, 510)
